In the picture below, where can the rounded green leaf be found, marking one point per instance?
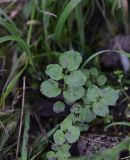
(51, 155)
(101, 80)
(73, 94)
(86, 72)
(73, 117)
(70, 60)
(110, 95)
(54, 71)
(86, 115)
(93, 93)
(76, 79)
(73, 134)
(55, 147)
(50, 88)
(58, 107)
(63, 152)
(59, 137)
(89, 83)
(68, 102)
(101, 108)
(66, 123)
(94, 72)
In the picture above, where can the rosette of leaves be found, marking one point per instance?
(67, 132)
(73, 80)
(63, 137)
(100, 99)
(94, 101)
(61, 153)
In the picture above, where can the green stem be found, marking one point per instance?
(124, 91)
(31, 25)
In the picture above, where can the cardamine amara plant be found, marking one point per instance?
(86, 92)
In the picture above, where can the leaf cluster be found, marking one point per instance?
(85, 90)
(73, 80)
(63, 138)
(94, 77)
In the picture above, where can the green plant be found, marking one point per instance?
(84, 90)
(44, 29)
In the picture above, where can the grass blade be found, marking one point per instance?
(11, 86)
(26, 49)
(80, 22)
(118, 123)
(24, 153)
(6, 22)
(20, 41)
(101, 52)
(68, 9)
(39, 146)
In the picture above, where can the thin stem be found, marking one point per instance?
(31, 25)
(124, 92)
(21, 119)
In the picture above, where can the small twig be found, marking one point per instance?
(41, 128)
(21, 119)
